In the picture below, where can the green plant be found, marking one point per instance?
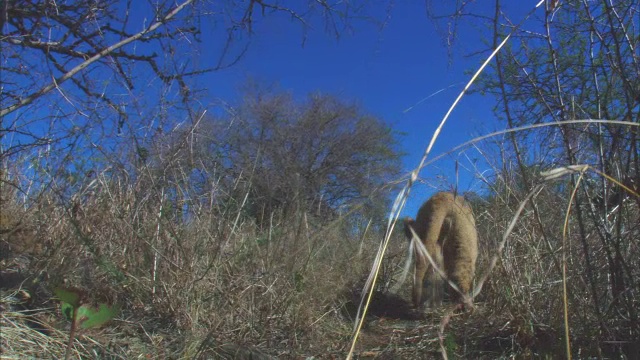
(76, 308)
(450, 345)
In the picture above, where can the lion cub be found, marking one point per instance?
(446, 227)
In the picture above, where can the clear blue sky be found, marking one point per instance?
(386, 70)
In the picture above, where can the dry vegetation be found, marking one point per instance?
(249, 233)
(218, 284)
(186, 288)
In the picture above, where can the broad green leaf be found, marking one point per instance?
(89, 317)
(68, 295)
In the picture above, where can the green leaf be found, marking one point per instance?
(89, 317)
(67, 310)
(69, 296)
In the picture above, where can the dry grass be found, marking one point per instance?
(187, 288)
(19, 338)
(218, 285)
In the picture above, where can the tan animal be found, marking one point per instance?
(446, 227)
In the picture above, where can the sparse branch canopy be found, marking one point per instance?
(70, 37)
(572, 60)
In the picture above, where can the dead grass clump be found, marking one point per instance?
(26, 332)
(524, 295)
(212, 282)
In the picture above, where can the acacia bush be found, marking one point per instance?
(321, 155)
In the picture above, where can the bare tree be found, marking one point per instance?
(319, 156)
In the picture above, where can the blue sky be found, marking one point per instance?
(386, 70)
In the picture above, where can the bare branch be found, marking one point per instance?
(30, 98)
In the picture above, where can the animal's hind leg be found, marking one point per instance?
(435, 280)
(418, 280)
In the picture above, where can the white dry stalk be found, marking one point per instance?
(400, 202)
